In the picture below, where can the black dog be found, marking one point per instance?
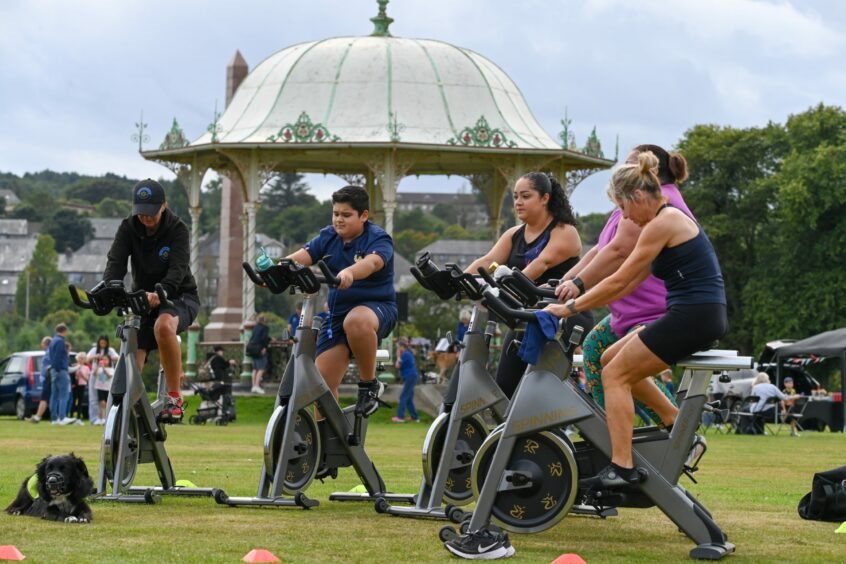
(56, 491)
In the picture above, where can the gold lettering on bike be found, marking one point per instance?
(518, 511)
(549, 502)
(531, 446)
(308, 439)
(305, 467)
(556, 469)
(468, 483)
(469, 430)
(450, 483)
(298, 419)
(289, 476)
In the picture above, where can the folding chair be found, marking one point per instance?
(771, 416)
(796, 413)
(746, 421)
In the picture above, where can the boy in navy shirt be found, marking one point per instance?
(362, 309)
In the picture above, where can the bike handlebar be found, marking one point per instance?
(287, 273)
(523, 287)
(106, 296)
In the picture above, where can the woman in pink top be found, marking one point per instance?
(648, 302)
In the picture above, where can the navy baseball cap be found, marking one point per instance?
(147, 197)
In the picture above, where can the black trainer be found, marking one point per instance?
(612, 476)
(368, 397)
(480, 545)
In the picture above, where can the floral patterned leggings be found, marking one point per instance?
(600, 338)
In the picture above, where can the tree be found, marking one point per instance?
(69, 230)
(285, 190)
(729, 193)
(409, 241)
(590, 226)
(109, 207)
(772, 201)
(210, 202)
(94, 190)
(431, 315)
(41, 277)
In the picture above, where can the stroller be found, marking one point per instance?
(217, 404)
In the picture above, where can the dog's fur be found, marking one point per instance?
(63, 484)
(445, 361)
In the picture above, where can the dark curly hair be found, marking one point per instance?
(559, 205)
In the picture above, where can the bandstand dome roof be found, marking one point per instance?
(357, 88)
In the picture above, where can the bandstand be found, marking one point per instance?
(371, 109)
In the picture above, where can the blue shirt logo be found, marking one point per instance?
(144, 193)
(164, 254)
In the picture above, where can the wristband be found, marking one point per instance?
(571, 306)
(579, 284)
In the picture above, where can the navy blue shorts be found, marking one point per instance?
(332, 331)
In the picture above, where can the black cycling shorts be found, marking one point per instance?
(684, 330)
(186, 307)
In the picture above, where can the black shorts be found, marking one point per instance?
(102, 395)
(684, 330)
(47, 386)
(185, 307)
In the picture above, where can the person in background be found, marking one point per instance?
(257, 351)
(463, 325)
(408, 372)
(102, 376)
(792, 396)
(324, 313)
(666, 377)
(58, 354)
(44, 378)
(99, 351)
(294, 320)
(219, 365)
(83, 374)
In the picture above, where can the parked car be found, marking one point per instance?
(20, 385)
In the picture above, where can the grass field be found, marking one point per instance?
(752, 486)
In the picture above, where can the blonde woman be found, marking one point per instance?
(676, 250)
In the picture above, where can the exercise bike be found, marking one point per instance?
(132, 434)
(459, 429)
(526, 473)
(298, 449)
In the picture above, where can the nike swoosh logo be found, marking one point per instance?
(486, 548)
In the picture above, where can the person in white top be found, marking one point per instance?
(764, 390)
(98, 351)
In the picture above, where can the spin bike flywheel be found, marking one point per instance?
(458, 489)
(112, 438)
(304, 458)
(541, 477)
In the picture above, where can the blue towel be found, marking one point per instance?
(537, 335)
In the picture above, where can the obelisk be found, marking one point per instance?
(227, 318)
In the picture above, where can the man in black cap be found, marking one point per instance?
(156, 241)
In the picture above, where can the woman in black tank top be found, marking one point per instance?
(675, 248)
(545, 246)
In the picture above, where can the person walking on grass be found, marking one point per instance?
(58, 355)
(408, 372)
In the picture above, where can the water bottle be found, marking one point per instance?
(263, 262)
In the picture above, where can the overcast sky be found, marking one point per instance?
(74, 76)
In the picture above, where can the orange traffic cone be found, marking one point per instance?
(10, 552)
(260, 555)
(569, 558)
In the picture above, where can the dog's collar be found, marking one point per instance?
(32, 486)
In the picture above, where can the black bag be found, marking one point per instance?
(827, 499)
(253, 349)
